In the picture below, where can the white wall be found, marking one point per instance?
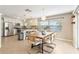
(78, 30)
(0, 30)
(67, 28)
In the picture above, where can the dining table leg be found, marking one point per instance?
(42, 46)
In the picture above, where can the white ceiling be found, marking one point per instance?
(19, 10)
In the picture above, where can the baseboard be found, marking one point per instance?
(64, 39)
(8, 36)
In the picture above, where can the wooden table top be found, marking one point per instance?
(43, 36)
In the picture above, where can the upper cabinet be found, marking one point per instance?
(33, 22)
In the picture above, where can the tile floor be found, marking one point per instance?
(11, 45)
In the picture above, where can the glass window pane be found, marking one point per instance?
(55, 25)
(43, 23)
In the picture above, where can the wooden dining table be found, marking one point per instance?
(43, 37)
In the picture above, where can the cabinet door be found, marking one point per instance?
(11, 28)
(6, 28)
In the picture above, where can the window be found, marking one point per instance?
(43, 23)
(55, 25)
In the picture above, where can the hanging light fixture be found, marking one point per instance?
(43, 17)
(26, 16)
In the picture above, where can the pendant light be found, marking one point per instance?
(43, 15)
